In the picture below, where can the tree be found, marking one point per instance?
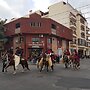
(3, 38)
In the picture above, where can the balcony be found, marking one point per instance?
(72, 23)
(83, 35)
(82, 27)
(81, 42)
(88, 33)
(17, 30)
(82, 21)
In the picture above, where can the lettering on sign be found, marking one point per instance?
(35, 45)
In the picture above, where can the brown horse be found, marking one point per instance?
(45, 62)
(11, 62)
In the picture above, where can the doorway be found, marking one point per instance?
(34, 52)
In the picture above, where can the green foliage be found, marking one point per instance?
(2, 28)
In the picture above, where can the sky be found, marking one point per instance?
(16, 8)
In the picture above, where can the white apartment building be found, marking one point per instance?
(65, 14)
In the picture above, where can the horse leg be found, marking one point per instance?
(66, 65)
(47, 68)
(7, 67)
(52, 67)
(47, 65)
(26, 65)
(22, 64)
(41, 68)
(14, 69)
(4, 65)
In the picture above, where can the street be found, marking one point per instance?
(59, 79)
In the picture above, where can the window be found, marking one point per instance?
(35, 39)
(74, 40)
(39, 24)
(83, 42)
(53, 26)
(82, 28)
(50, 40)
(79, 41)
(83, 35)
(87, 32)
(73, 28)
(74, 32)
(82, 20)
(35, 24)
(88, 44)
(72, 21)
(17, 25)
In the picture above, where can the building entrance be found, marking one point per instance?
(34, 52)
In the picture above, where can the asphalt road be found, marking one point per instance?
(59, 79)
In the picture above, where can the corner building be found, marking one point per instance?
(36, 34)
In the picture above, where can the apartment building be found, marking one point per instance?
(65, 14)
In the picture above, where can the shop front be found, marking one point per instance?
(35, 49)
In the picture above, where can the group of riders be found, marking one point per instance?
(44, 60)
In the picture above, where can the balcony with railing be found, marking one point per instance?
(72, 18)
(81, 42)
(82, 27)
(87, 33)
(82, 21)
(74, 41)
(72, 22)
(88, 38)
(17, 30)
(82, 35)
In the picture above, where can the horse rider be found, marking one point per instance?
(11, 60)
(4, 59)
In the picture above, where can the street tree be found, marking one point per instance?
(3, 38)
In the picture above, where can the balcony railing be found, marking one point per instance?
(17, 30)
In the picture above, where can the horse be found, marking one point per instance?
(12, 61)
(45, 62)
(75, 61)
(67, 61)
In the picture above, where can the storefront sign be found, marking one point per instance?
(35, 45)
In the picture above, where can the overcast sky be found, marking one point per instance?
(17, 8)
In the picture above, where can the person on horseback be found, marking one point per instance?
(4, 59)
(66, 56)
(19, 51)
(11, 60)
(50, 61)
(23, 62)
(76, 60)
